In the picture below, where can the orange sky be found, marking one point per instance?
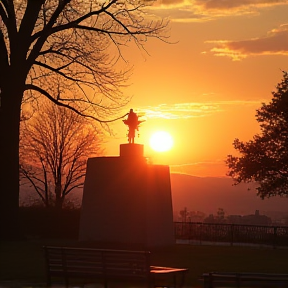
(205, 89)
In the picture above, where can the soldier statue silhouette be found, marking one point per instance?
(133, 124)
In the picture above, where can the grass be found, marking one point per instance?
(24, 261)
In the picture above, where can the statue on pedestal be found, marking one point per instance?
(133, 124)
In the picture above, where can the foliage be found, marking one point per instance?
(190, 216)
(221, 216)
(54, 147)
(264, 159)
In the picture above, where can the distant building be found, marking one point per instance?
(256, 219)
(198, 216)
(253, 219)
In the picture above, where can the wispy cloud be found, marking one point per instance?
(203, 10)
(274, 43)
(191, 110)
(236, 4)
(180, 110)
(216, 168)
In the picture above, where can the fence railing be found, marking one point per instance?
(232, 233)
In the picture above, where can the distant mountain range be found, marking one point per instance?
(207, 194)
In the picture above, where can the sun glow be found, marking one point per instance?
(161, 141)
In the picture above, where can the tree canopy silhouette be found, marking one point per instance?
(47, 42)
(264, 159)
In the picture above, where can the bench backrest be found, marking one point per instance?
(106, 263)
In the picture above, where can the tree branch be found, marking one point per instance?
(11, 21)
(32, 179)
(71, 24)
(46, 94)
(45, 33)
(75, 24)
(57, 70)
(3, 14)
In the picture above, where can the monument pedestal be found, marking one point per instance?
(126, 200)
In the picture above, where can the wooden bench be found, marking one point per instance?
(107, 265)
(234, 279)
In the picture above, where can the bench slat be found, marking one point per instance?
(218, 279)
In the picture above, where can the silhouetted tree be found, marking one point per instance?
(221, 216)
(43, 42)
(264, 159)
(184, 214)
(54, 147)
(210, 219)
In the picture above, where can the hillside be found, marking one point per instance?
(207, 194)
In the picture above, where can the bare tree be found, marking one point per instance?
(43, 42)
(54, 147)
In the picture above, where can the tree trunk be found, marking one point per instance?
(10, 106)
(58, 196)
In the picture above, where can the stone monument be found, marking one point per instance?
(125, 199)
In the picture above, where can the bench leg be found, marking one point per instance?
(105, 283)
(183, 277)
(210, 283)
(48, 282)
(66, 282)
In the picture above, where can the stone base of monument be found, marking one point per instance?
(126, 200)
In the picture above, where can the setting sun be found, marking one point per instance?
(161, 141)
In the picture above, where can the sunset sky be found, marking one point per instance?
(204, 89)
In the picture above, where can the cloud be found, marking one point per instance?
(203, 10)
(190, 110)
(177, 10)
(216, 168)
(181, 110)
(274, 43)
(236, 4)
(169, 2)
